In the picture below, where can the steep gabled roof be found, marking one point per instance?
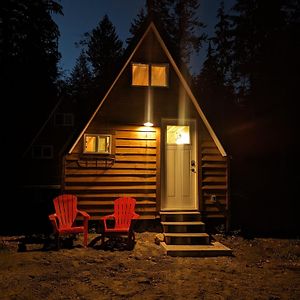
(152, 27)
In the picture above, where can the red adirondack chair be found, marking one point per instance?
(124, 214)
(63, 220)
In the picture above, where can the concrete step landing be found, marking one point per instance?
(213, 249)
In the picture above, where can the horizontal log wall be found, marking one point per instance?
(214, 184)
(130, 171)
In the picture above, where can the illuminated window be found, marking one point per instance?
(146, 75)
(97, 143)
(140, 74)
(158, 75)
(42, 151)
(179, 135)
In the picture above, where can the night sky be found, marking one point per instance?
(82, 16)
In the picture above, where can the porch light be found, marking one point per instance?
(148, 124)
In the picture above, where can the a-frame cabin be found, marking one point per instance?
(176, 169)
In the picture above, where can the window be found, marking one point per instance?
(150, 75)
(97, 143)
(64, 119)
(42, 151)
(140, 74)
(179, 135)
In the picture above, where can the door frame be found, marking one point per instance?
(194, 138)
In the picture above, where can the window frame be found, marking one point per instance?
(97, 135)
(42, 150)
(166, 65)
(64, 117)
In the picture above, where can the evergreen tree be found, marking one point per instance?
(186, 33)
(180, 24)
(79, 87)
(29, 42)
(28, 62)
(222, 42)
(104, 48)
(81, 76)
(260, 50)
(137, 24)
(216, 97)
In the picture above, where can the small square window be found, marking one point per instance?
(140, 74)
(158, 75)
(97, 143)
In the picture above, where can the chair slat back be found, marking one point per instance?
(66, 209)
(124, 210)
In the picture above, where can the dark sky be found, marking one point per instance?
(82, 16)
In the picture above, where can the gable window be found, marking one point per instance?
(150, 75)
(97, 143)
(42, 151)
(64, 119)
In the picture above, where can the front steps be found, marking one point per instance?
(184, 235)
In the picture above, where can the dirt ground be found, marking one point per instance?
(260, 268)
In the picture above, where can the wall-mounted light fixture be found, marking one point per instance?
(148, 124)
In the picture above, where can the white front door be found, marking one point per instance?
(179, 188)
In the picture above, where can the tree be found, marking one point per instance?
(186, 33)
(222, 42)
(260, 49)
(28, 41)
(28, 62)
(216, 97)
(180, 24)
(81, 76)
(137, 24)
(104, 48)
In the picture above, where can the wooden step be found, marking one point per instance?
(213, 249)
(179, 216)
(190, 238)
(192, 226)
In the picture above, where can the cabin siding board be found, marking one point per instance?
(132, 171)
(214, 184)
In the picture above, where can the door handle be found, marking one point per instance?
(193, 166)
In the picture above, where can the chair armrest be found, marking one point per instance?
(135, 216)
(104, 218)
(84, 214)
(53, 218)
(112, 216)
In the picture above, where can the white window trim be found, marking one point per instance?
(97, 135)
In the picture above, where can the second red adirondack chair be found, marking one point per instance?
(63, 220)
(124, 214)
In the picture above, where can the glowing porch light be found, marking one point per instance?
(148, 124)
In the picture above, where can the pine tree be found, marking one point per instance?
(180, 24)
(81, 76)
(28, 63)
(137, 24)
(222, 42)
(186, 33)
(104, 48)
(210, 86)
